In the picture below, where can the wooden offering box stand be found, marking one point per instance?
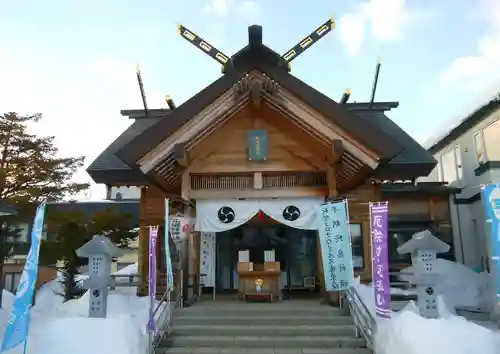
(249, 274)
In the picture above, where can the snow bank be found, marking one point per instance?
(128, 270)
(409, 333)
(459, 285)
(62, 330)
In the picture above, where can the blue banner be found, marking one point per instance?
(17, 328)
(170, 275)
(335, 244)
(490, 196)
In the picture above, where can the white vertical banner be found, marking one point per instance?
(168, 259)
(207, 259)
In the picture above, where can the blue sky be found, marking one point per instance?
(75, 60)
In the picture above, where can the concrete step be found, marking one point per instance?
(263, 330)
(181, 319)
(252, 311)
(264, 342)
(208, 350)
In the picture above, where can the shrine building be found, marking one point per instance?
(251, 155)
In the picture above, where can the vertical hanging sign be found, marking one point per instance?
(335, 245)
(170, 274)
(257, 145)
(207, 259)
(380, 258)
(490, 195)
(153, 236)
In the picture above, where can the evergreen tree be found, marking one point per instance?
(30, 170)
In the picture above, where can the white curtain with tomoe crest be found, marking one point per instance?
(226, 214)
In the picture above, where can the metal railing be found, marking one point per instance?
(162, 314)
(124, 280)
(364, 321)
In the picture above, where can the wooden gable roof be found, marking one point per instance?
(368, 124)
(256, 56)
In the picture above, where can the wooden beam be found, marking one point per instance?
(360, 177)
(256, 93)
(337, 151)
(257, 180)
(326, 127)
(257, 193)
(179, 154)
(331, 179)
(282, 123)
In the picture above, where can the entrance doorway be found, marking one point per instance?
(295, 249)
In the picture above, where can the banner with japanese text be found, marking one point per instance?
(490, 195)
(16, 331)
(153, 237)
(335, 245)
(168, 256)
(380, 258)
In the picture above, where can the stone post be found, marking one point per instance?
(423, 247)
(100, 252)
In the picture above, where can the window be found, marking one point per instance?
(440, 171)
(357, 245)
(491, 134)
(401, 232)
(458, 162)
(449, 167)
(11, 281)
(479, 146)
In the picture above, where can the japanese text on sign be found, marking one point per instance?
(335, 246)
(380, 269)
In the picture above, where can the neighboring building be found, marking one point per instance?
(13, 266)
(259, 135)
(123, 193)
(468, 156)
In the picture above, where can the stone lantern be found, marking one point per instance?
(423, 247)
(100, 252)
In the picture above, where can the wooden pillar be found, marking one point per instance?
(143, 244)
(152, 213)
(376, 197)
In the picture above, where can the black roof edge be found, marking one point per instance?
(465, 124)
(141, 113)
(115, 177)
(376, 106)
(430, 187)
(203, 98)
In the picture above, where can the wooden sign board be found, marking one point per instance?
(257, 145)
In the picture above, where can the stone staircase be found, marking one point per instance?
(289, 327)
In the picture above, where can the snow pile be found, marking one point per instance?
(59, 328)
(7, 302)
(132, 269)
(460, 286)
(409, 333)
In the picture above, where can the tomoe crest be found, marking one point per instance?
(226, 215)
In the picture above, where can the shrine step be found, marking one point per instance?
(258, 330)
(180, 319)
(208, 350)
(265, 342)
(259, 310)
(282, 327)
